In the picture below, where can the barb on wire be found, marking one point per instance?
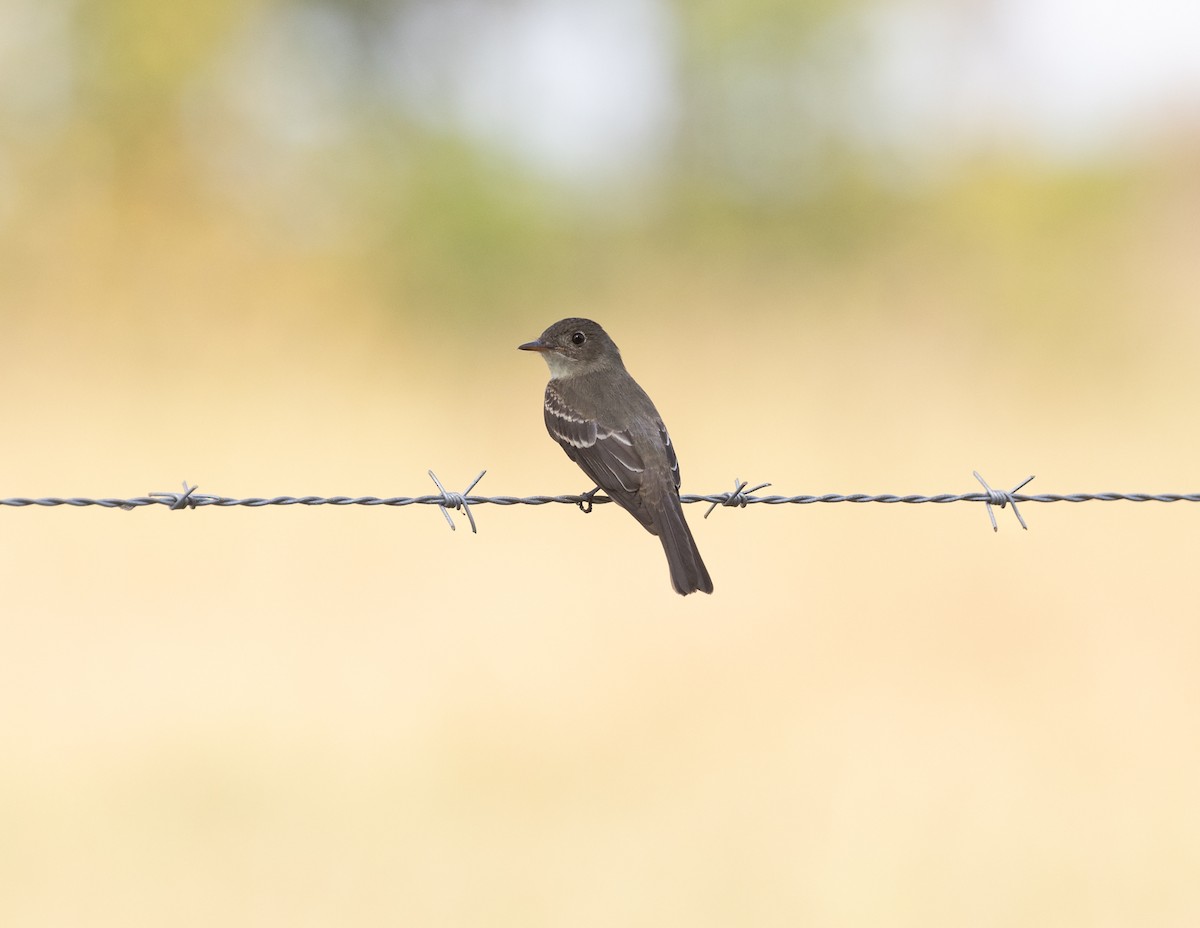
(1002, 498)
(184, 500)
(456, 501)
(742, 495)
(739, 497)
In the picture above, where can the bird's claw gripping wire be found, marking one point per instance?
(1002, 498)
(585, 500)
(452, 500)
(738, 497)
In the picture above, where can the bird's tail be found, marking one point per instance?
(688, 573)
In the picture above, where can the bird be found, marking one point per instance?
(607, 425)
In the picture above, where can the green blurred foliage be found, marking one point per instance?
(776, 28)
(135, 58)
(157, 127)
(449, 228)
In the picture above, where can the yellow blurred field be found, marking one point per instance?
(883, 713)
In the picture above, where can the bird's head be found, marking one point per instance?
(575, 346)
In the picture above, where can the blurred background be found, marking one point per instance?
(278, 247)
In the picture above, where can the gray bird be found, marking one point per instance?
(609, 427)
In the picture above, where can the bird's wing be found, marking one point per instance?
(671, 458)
(605, 454)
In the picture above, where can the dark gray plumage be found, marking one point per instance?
(609, 427)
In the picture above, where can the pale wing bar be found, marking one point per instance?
(606, 455)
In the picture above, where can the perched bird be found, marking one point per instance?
(609, 427)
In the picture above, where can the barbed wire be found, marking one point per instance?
(741, 496)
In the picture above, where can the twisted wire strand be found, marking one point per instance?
(741, 496)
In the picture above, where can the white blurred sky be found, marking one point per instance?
(1074, 78)
(585, 89)
(575, 88)
(589, 90)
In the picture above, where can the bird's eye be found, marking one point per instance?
(578, 338)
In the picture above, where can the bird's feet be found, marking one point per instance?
(585, 504)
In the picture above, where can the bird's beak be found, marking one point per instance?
(536, 345)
